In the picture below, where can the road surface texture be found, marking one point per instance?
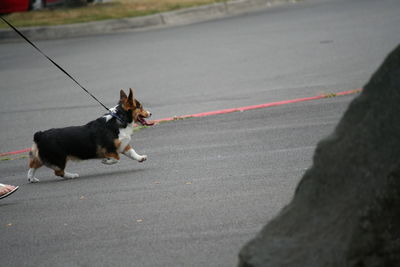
(209, 184)
(291, 51)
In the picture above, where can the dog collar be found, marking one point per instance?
(113, 114)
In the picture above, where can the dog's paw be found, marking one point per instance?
(142, 158)
(68, 175)
(109, 161)
(33, 180)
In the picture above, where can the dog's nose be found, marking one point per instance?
(149, 113)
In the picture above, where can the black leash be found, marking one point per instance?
(60, 68)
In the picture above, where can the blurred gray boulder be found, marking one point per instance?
(346, 208)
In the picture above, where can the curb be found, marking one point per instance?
(172, 18)
(226, 111)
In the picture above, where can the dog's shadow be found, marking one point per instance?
(103, 174)
(111, 173)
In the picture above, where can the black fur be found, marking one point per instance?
(81, 142)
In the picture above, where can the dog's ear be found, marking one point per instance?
(122, 96)
(131, 101)
(132, 91)
(123, 100)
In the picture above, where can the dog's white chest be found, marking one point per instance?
(125, 136)
(126, 132)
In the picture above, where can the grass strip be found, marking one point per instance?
(116, 9)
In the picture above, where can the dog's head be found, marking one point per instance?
(134, 108)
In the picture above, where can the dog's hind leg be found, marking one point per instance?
(34, 164)
(113, 157)
(59, 170)
(31, 175)
(66, 175)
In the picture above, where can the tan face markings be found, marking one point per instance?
(128, 102)
(139, 111)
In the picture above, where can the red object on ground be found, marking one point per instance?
(224, 111)
(9, 6)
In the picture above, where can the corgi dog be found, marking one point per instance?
(104, 138)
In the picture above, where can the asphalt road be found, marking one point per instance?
(210, 184)
(291, 51)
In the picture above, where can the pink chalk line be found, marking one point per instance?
(225, 111)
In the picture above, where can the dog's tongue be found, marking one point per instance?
(145, 123)
(149, 123)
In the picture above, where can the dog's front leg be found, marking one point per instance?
(131, 153)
